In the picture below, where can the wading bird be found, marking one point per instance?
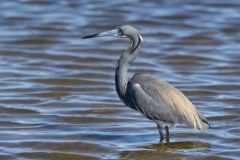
(157, 100)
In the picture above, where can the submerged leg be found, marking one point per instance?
(160, 133)
(167, 133)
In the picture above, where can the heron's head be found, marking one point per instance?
(122, 31)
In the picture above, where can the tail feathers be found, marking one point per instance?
(204, 123)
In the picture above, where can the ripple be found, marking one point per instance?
(58, 98)
(54, 155)
(8, 110)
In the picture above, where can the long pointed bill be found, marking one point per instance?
(114, 33)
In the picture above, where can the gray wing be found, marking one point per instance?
(158, 100)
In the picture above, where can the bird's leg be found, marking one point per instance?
(160, 133)
(167, 133)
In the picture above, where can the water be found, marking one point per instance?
(58, 100)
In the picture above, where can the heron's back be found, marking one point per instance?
(161, 101)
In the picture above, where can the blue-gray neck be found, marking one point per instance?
(121, 76)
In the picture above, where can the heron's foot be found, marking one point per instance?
(166, 139)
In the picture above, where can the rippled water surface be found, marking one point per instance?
(58, 100)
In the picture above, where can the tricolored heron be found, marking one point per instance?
(156, 99)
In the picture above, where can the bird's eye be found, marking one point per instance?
(120, 31)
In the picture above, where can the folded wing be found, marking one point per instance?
(158, 100)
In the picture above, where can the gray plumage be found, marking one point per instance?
(155, 99)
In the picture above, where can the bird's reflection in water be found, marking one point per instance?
(178, 150)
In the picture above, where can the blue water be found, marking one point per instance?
(57, 95)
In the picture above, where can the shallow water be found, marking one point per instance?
(58, 100)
